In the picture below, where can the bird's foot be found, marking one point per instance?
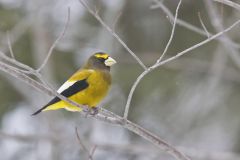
(90, 111)
(87, 110)
(94, 111)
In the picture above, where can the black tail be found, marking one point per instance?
(54, 100)
(38, 111)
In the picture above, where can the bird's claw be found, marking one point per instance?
(92, 111)
(86, 109)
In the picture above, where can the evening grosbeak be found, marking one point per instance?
(87, 87)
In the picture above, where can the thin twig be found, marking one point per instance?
(229, 3)
(196, 45)
(116, 21)
(226, 41)
(19, 29)
(130, 95)
(10, 45)
(171, 22)
(13, 61)
(203, 25)
(188, 25)
(82, 145)
(27, 69)
(231, 45)
(41, 87)
(172, 33)
(80, 142)
(127, 107)
(156, 65)
(95, 14)
(56, 42)
(180, 22)
(92, 152)
(21, 76)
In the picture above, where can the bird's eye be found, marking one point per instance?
(101, 60)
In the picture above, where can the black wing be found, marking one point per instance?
(73, 89)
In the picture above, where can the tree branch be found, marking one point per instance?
(114, 34)
(226, 41)
(196, 46)
(10, 46)
(156, 65)
(55, 42)
(155, 140)
(187, 25)
(115, 119)
(90, 155)
(229, 3)
(203, 25)
(127, 107)
(172, 33)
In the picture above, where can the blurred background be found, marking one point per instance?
(192, 102)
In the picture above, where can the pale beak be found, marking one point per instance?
(109, 61)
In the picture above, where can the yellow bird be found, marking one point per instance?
(88, 86)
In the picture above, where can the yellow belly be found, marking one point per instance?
(91, 96)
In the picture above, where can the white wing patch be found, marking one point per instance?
(65, 86)
(91, 70)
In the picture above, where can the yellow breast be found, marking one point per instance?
(99, 83)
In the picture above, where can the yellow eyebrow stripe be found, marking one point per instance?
(105, 56)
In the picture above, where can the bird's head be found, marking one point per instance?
(100, 60)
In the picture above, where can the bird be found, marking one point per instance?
(87, 87)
